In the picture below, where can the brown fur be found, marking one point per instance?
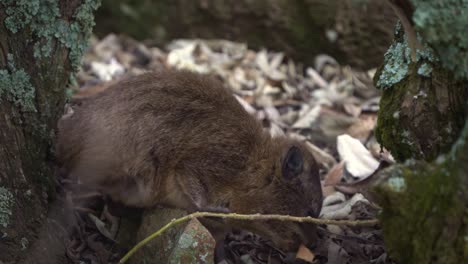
(180, 139)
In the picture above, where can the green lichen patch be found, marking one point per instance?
(46, 23)
(396, 184)
(397, 60)
(395, 68)
(425, 70)
(16, 87)
(6, 204)
(195, 245)
(82, 28)
(443, 25)
(20, 16)
(186, 241)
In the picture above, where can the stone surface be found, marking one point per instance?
(195, 245)
(185, 243)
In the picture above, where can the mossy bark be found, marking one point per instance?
(423, 121)
(36, 62)
(424, 101)
(355, 32)
(425, 219)
(422, 116)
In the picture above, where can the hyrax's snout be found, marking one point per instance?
(309, 232)
(303, 233)
(289, 235)
(296, 192)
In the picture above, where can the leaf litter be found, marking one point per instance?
(332, 108)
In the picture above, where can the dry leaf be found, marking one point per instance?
(276, 61)
(322, 59)
(305, 254)
(317, 78)
(334, 175)
(334, 198)
(101, 226)
(327, 190)
(333, 123)
(107, 71)
(246, 105)
(363, 127)
(352, 109)
(270, 69)
(364, 184)
(359, 162)
(308, 118)
(341, 210)
(275, 130)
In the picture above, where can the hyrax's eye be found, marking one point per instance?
(293, 163)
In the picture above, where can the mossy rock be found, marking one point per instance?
(188, 242)
(425, 219)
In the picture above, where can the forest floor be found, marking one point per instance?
(331, 107)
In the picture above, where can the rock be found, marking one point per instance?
(195, 245)
(185, 243)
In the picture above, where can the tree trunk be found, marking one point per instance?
(355, 32)
(425, 219)
(41, 43)
(423, 104)
(423, 119)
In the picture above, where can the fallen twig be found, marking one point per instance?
(308, 219)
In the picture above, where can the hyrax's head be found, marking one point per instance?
(284, 180)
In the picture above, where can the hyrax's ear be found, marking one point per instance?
(293, 163)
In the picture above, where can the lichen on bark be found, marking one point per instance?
(427, 221)
(424, 104)
(41, 43)
(423, 120)
(397, 60)
(443, 24)
(16, 87)
(45, 21)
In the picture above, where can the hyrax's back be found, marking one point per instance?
(180, 139)
(133, 136)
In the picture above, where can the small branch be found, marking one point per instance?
(408, 27)
(308, 219)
